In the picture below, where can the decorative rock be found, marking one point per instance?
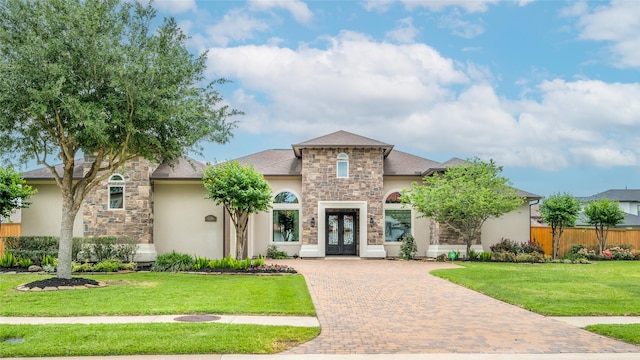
(50, 288)
(66, 288)
(34, 268)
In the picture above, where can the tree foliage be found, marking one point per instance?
(603, 214)
(94, 77)
(243, 191)
(14, 192)
(559, 211)
(464, 197)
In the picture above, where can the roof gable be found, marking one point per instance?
(341, 139)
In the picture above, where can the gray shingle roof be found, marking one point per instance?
(631, 195)
(341, 139)
(274, 162)
(44, 173)
(183, 168)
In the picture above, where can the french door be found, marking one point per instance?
(341, 233)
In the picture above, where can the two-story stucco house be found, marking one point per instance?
(333, 195)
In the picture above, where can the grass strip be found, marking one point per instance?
(154, 338)
(161, 293)
(628, 332)
(604, 288)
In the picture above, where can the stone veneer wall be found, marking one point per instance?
(136, 220)
(442, 234)
(320, 183)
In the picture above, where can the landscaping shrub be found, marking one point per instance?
(531, 246)
(25, 262)
(173, 261)
(274, 253)
(473, 255)
(102, 248)
(200, 263)
(504, 256)
(8, 260)
(408, 249)
(534, 257)
(506, 245)
(107, 266)
(84, 267)
(32, 247)
(486, 256)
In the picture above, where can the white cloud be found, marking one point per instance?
(298, 9)
(470, 6)
(405, 33)
(410, 94)
(236, 25)
(617, 24)
(175, 6)
(460, 27)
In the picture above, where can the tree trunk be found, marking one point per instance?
(69, 213)
(241, 235)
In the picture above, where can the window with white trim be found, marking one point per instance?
(342, 165)
(397, 219)
(286, 217)
(116, 192)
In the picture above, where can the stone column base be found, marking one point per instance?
(373, 251)
(146, 253)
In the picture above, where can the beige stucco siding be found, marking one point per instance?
(262, 224)
(44, 215)
(514, 225)
(179, 220)
(420, 225)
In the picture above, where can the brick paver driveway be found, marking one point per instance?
(385, 307)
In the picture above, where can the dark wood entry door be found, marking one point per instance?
(341, 228)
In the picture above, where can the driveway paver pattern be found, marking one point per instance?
(394, 307)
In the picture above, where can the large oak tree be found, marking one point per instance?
(104, 78)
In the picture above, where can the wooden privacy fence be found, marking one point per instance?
(8, 230)
(584, 236)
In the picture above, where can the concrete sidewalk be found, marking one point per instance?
(303, 321)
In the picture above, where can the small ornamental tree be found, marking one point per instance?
(94, 77)
(243, 191)
(603, 214)
(464, 197)
(14, 192)
(559, 211)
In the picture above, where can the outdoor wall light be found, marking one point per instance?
(371, 221)
(313, 222)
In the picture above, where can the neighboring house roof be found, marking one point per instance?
(623, 195)
(341, 139)
(443, 167)
(630, 220)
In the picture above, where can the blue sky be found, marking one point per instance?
(548, 89)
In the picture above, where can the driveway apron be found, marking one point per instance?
(387, 307)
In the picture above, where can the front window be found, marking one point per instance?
(343, 165)
(286, 217)
(116, 192)
(397, 220)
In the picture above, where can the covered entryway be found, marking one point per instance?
(341, 230)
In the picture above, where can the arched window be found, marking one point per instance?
(397, 220)
(116, 192)
(342, 165)
(286, 217)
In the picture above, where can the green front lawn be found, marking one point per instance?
(629, 333)
(155, 294)
(603, 288)
(162, 293)
(155, 338)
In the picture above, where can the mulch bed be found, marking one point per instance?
(57, 282)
